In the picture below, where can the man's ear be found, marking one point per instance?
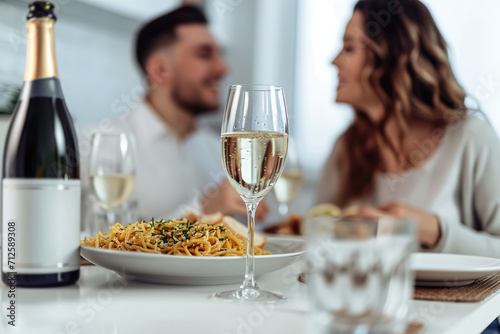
(158, 68)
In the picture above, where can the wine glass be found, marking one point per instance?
(254, 140)
(288, 186)
(111, 170)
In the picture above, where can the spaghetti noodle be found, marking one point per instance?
(174, 237)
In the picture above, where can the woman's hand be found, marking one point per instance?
(429, 230)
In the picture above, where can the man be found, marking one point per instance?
(179, 162)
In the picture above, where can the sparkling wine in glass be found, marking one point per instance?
(254, 139)
(289, 184)
(111, 171)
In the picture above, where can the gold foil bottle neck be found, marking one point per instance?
(41, 55)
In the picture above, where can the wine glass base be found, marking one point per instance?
(251, 294)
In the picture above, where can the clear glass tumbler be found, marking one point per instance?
(358, 274)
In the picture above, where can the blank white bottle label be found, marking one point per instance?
(46, 216)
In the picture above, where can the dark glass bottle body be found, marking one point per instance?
(40, 181)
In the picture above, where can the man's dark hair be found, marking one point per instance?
(161, 31)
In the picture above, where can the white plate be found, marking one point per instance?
(440, 269)
(192, 270)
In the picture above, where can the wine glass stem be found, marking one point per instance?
(283, 210)
(110, 217)
(249, 282)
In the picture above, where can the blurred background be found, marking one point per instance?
(290, 43)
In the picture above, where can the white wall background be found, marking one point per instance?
(93, 50)
(258, 37)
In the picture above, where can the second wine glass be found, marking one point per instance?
(111, 171)
(254, 138)
(288, 186)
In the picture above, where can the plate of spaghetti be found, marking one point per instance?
(194, 250)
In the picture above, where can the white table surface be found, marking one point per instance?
(103, 302)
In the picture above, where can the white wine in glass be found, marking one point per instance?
(253, 160)
(111, 170)
(111, 190)
(254, 140)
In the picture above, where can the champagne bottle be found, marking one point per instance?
(41, 178)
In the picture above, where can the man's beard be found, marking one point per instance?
(194, 106)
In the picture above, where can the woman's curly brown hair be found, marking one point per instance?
(410, 73)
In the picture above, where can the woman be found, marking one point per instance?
(413, 148)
